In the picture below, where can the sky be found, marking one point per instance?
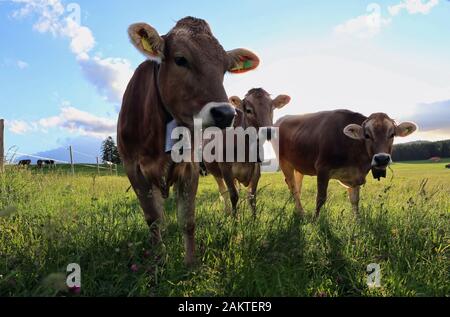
(64, 65)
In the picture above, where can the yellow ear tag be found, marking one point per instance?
(147, 46)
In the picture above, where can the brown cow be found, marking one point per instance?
(340, 145)
(256, 110)
(182, 79)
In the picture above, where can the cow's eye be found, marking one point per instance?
(181, 61)
(367, 136)
(249, 110)
(392, 136)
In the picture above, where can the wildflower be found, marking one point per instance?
(75, 290)
(134, 268)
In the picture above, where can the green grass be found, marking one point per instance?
(56, 219)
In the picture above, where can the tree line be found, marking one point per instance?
(421, 150)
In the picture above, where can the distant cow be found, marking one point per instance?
(340, 145)
(43, 163)
(182, 79)
(40, 163)
(256, 110)
(447, 166)
(25, 163)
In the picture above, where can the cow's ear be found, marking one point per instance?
(354, 131)
(147, 40)
(235, 101)
(404, 129)
(242, 60)
(281, 101)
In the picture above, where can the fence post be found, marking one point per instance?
(117, 170)
(110, 168)
(2, 148)
(71, 160)
(98, 167)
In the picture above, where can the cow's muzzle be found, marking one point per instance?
(379, 164)
(217, 114)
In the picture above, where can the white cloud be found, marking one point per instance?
(82, 40)
(109, 75)
(49, 13)
(22, 64)
(18, 126)
(364, 26)
(370, 24)
(80, 122)
(413, 7)
(70, 119)
(52, 18)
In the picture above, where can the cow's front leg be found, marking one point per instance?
(253, 187)
(323, 179)
(186, 190)
(224, 194)
(150, 199)
(353, 195)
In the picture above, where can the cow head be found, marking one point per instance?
(192, 68)
(378, 133)
(258, 108)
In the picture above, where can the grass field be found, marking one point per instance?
(51, 219)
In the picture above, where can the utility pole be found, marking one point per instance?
(98, 167)
(71, 160)
(2, 147)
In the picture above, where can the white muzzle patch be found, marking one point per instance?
(206, 114)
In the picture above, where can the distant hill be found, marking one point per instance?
(85, 150)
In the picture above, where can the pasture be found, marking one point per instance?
(50, 219)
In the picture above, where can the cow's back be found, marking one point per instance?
(313, 140)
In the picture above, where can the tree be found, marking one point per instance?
(110, 152)
(421, 150)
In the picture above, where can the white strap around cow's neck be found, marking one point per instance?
(170, 143)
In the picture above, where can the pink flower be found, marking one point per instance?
(75, 290)
(134, 268)
(147, 253)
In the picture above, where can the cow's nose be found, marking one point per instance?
(382, 160)
(223, 116)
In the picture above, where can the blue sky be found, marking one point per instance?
(61, 82)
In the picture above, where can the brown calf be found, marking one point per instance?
(182, 79)
(256, 110)
(340, 145)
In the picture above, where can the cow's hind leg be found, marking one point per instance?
(293, 181)
(150, 199)
(224, 194)
(186, 190)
